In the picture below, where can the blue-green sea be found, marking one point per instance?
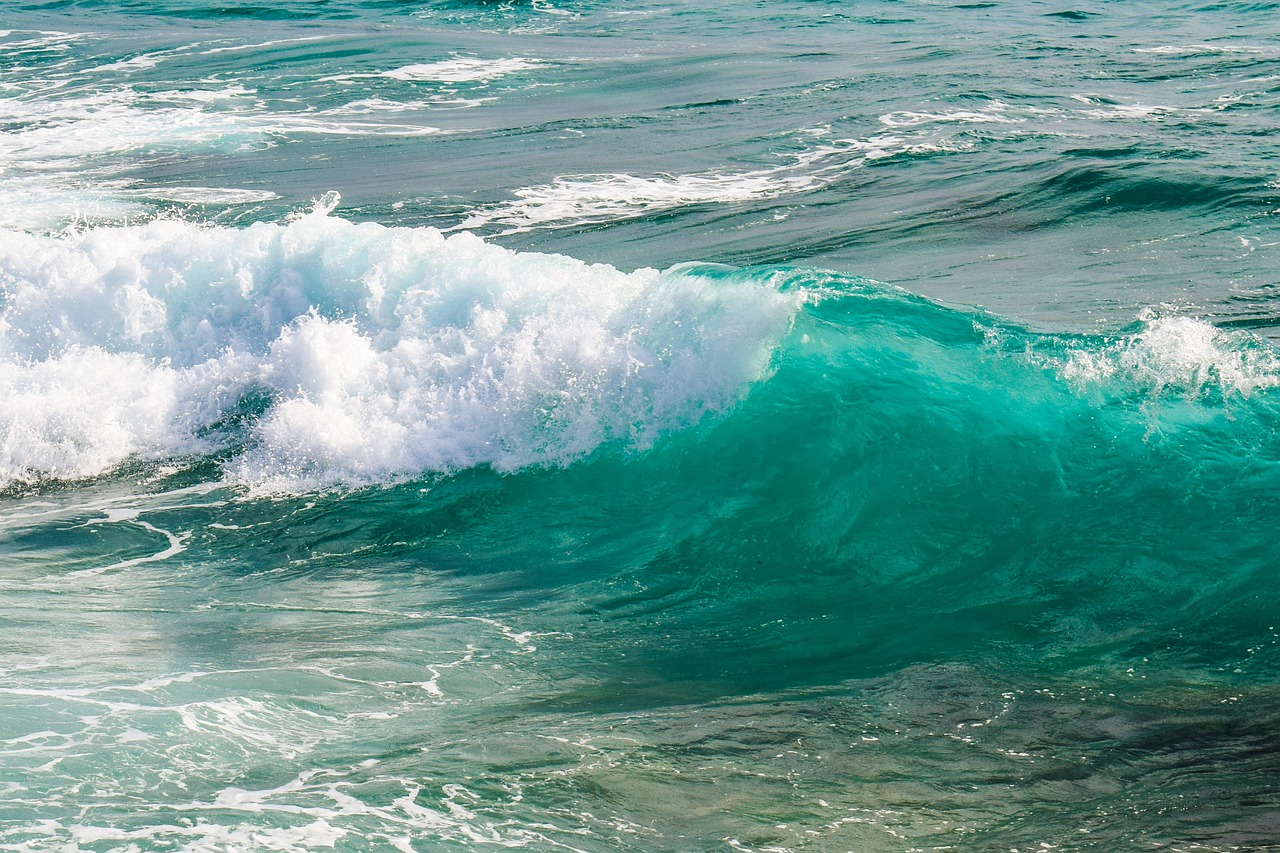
(639, 425)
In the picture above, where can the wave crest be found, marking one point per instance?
(383, 353)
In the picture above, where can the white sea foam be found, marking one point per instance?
(1124, 111)
(62, 157)
(136, 63)
(576, 200)
(384, 352)
(373, 106)
(50, 133)
(206, 195)
(1211, 50)
(41, 40)
(82, 411)
(585, 199)
(1179, 353)
(995, 115)
(256, 46)
(462, 70)
(319, 807)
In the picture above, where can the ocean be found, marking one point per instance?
(593, 425)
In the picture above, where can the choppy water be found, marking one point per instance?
(601, 426)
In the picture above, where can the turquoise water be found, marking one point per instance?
(807, 426)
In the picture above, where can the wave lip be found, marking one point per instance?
(356, 353)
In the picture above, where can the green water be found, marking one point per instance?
(933, 581)
(804, 426)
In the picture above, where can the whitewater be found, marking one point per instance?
(599, 426)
